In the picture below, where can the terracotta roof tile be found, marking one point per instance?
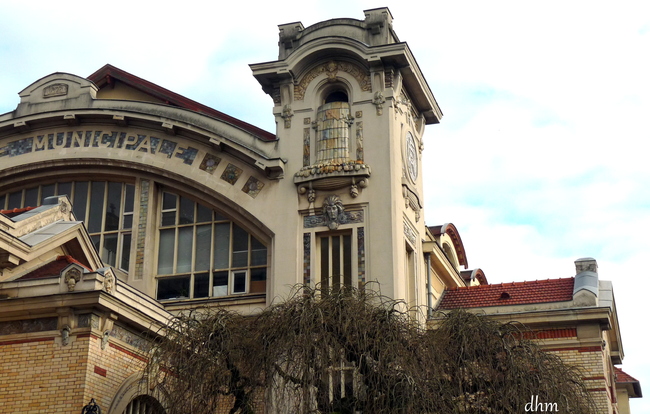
(505, 294)
(16, 211)
(622, 376)
(52, 269)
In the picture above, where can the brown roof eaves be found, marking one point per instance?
(105, 74)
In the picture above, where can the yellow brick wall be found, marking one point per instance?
(39, 375)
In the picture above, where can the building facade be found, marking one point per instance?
(159, 204)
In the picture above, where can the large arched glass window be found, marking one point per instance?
(106, 207)
(202, 254)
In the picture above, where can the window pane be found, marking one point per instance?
(221, 245)
(2, 201)
(96, 206)
(113, 203)
(169, 201)
(129, 191)
(109, 251)
(258, 281)
(220, 284)
(258, 253)
(239, 282)
(166, 252)
(15, 200)
(324, 263)
(203, 239)
(64, 189)
(95, 240)
(184, 259)
(203, 214)
(173, 288)
(239, 246)
(126, 251)
(31, 197)
(201, 285)
(80, 200)
(187, 211)
(169, 218)
(347, 260)
(47, 191)
(336, 262)
(127, 221)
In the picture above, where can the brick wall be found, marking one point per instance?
(39, 375)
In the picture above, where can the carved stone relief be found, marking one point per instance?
(330, 69)
(72, 277)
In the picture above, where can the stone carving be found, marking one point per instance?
(333, 211)
(71, 278)
(105, 337)
(410, 234)
(57, 89)
(287, 113)
(331, 69)
(379, 101)
(319, 220)
(109, 282)
(65, 335)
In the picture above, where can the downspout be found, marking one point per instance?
(429, 289)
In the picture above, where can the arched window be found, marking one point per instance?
(106, 207)
(144, 404)
(202, 254)
(333, 122)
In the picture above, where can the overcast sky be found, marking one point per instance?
(541, 156)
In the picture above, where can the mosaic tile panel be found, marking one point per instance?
(306, 276)
(253, 187)
(130, 338)
(210, 163)
(361, 255)
(231, 174)
(141, 236)
(306, 150)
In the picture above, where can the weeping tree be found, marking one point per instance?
(351, 351)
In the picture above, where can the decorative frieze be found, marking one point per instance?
(100, 139)
(57, 89)
(28, 325)
(331, 69)
(319, 220)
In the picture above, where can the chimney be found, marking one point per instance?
(585, 285)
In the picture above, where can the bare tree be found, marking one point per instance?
(354, 351)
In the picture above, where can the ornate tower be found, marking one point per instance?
(351, 105)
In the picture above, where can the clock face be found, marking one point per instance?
(411, 156)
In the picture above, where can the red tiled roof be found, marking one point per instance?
(52, 269)
(505, 294)
(16, 211)
(622, 376)
(107, 73)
